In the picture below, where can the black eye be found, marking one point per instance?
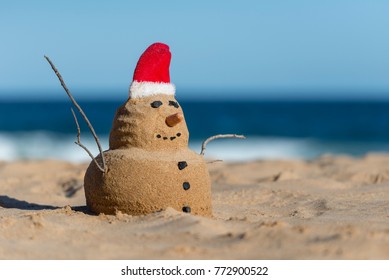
(156, 104)
(173, 103)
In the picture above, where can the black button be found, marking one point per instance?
(186, 186)
(182, 165)
(159, 136)
(186, 209)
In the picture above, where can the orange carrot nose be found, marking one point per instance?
(174, 119)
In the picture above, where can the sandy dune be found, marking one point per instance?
(327, 208)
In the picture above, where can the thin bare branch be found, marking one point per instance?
(219, 136)
(78, 142)
(78, 126)
(79, 109)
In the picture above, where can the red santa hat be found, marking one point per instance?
(151, 75)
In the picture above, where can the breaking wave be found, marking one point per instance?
(60, 146)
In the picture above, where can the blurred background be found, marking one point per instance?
(298, 78)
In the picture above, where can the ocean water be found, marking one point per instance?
(274, 129)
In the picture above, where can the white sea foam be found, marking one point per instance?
(258, 148)
(48, 145)
(45, 145)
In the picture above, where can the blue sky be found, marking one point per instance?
(229, 48)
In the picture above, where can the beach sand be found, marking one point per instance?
(327, 208)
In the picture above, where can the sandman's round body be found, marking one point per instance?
(139, 182)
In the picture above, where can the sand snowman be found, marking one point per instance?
(149, 164)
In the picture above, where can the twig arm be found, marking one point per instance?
(219, 136)
(80, 110)
(78, 142)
